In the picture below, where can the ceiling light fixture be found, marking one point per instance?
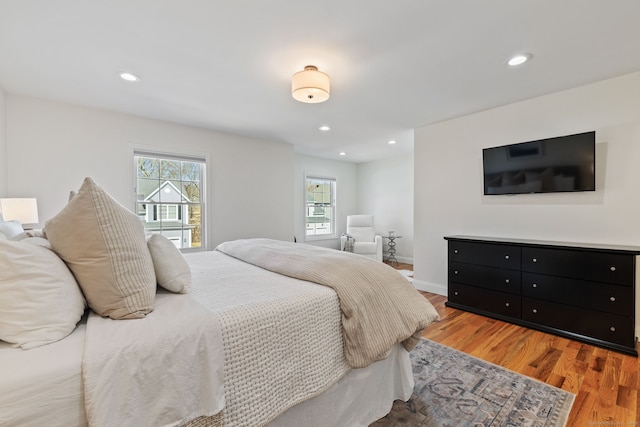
(324, 128)
(392, 142)
(343, 153)
(519, 59)
(310, 86)
(129, 77)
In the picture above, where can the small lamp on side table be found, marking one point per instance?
(24, 210)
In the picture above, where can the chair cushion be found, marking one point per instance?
(362, 234)
(365, 247)
(361, 227)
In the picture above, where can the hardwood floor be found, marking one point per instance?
(606, 383)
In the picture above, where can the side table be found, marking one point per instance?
(391, 254)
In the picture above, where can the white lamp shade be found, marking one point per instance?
(310, 86)
(23, 210)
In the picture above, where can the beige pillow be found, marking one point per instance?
(104, 245)
(172, 270)
(40, 301)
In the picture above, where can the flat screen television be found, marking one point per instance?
(560, 164)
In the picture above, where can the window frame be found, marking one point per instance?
(334, 186)
(155, 152)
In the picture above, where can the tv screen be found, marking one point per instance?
(561, 164)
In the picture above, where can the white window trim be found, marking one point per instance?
(334, 234)
(177, 154)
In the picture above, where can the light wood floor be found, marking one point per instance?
(605, 383)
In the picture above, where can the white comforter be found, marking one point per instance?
(162, 370)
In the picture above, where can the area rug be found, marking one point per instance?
(454, 389)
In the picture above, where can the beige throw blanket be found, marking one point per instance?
(379, 306)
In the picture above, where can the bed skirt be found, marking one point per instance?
(359, 398)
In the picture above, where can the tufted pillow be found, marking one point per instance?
(172, 270)
(40, 300)
(104, 245)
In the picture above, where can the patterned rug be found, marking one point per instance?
(454, 389)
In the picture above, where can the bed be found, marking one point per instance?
(246, 344)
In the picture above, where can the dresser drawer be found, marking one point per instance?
(593, 266)
(491, 255)
(599, 296)
(484, 299)
(599, 325)
(498, 279)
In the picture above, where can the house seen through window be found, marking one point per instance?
(170, 197)
(320, 207)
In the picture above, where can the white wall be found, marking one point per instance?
(3, 144)
(53, 146)
(448, 182)
(385, 189)
(346, 176)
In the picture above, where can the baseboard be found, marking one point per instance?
(405, 260)
(400, 259)
(434, 288)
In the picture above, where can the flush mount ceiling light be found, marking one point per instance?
(519, 59)
(324, 128)
(391, 142)
(129, 77)
(310, 86)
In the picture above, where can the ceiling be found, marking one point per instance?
(394, 65)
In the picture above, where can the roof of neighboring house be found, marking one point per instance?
(149, 191)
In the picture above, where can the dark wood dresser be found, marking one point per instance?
(580, 291)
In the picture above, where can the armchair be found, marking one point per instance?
(367, 242)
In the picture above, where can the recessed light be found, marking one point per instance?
(129, 77)
(324, 128)
(392, 142)
(519, 59)
(343, 153)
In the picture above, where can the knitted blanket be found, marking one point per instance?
(379, 306)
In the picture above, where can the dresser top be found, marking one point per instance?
(548, 243)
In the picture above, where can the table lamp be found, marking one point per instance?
(24, 210)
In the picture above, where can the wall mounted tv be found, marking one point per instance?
(561, 164)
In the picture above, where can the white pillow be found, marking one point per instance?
(172, 270)
(10, 228)
(40, 300)
(2, 236)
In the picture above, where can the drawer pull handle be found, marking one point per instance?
(535, 285)
(612, 269)
(612, 299)
(535, 310)
(535, 260)
(455, 271)
(455, 251)
(506, 304)
(506, 281)
(612, 329)
(455, 293)
(506, 257)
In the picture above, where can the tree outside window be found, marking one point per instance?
(170, 197)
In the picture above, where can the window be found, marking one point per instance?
(170, 197)
(320, 207)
